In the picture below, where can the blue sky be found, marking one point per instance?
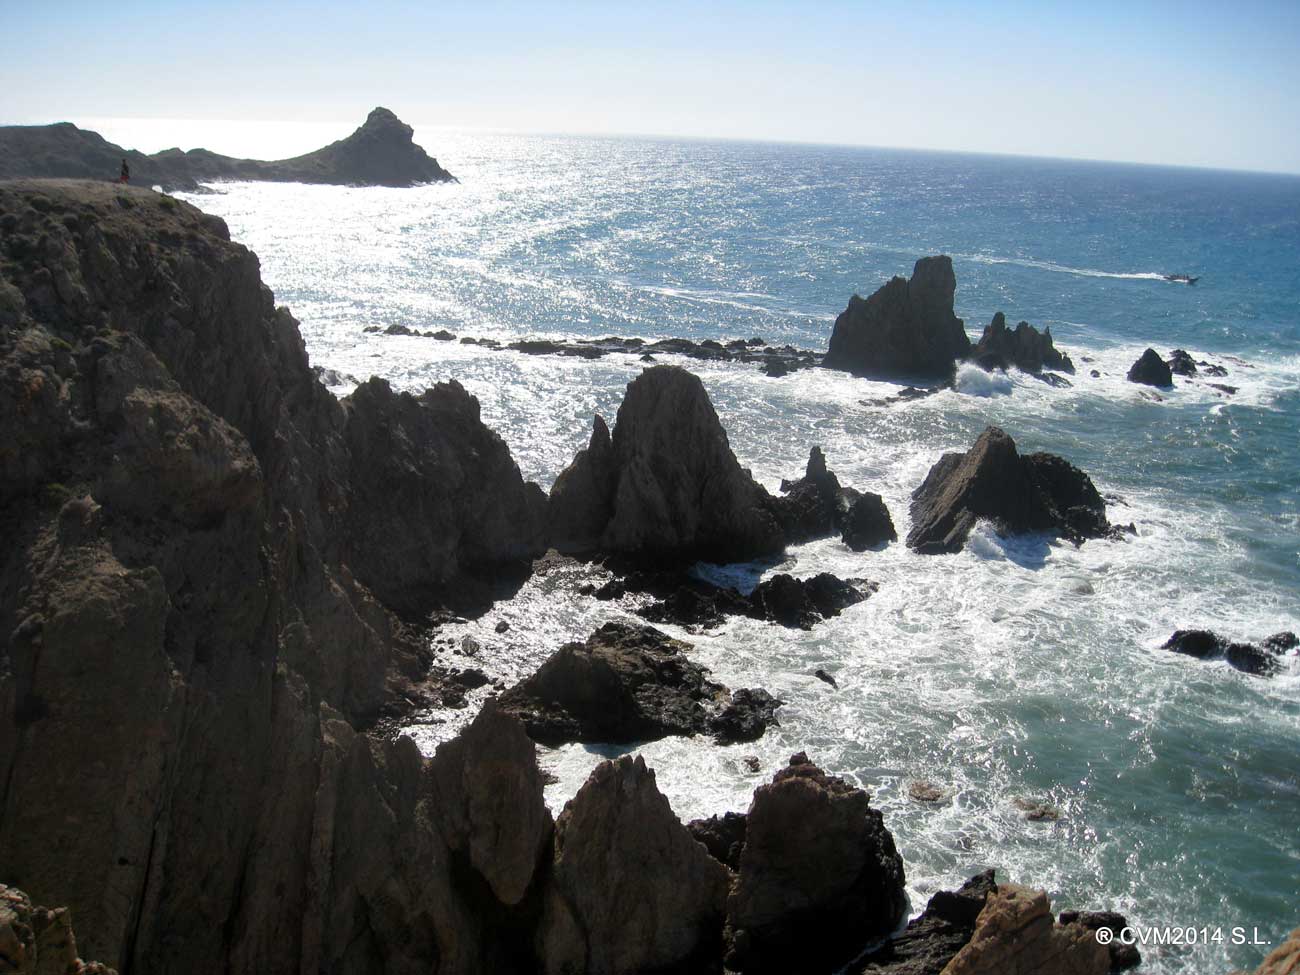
(1186, 83)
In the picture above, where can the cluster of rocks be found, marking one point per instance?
(1034, 493)
(629, 683)
(1151, 370)
(1024, 348)
(39, 940)
(1264, 660)
(781, 598)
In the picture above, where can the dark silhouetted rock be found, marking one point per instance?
(723, 836)
(673, 490)
(934, 938)
(1181, 363)
(804, 602)
(1281, 642)
(799, 603)
(582, 498)
(819, 876)
(816, 505)
(822, 675)
(865, 521)
(1025, 348)
(630, 889)
(906, 329)
(1122, 956)
(1201, 644)
(630, 683)
(1151, 370)
(1261, 661)
(1037, 493)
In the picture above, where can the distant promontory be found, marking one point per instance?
(379, 153)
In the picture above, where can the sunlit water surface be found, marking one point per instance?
(1020, 668)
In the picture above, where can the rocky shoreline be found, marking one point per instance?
(220, 577)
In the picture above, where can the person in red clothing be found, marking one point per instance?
(125, 177)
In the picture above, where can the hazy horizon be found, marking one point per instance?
(1189, 84)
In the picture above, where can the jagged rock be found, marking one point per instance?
(630, 889)
(379, 153)
(629, 683)
(1016, 935)
(582, 498)
(1025, 348)
(819, 876)
(435, 493)
(1151, 370)
(816, 505)
(746, 717)
(1037, 493)
(906, 329)
(676, 492)
(1284, 959)
(723, 836)
(865, 521)
(822, 675)
(932, 940)
(804, 602)
(1122, 956)
(1281, 642)
(39, 940)
(1181, 363)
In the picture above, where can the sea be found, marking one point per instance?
(1022, 669)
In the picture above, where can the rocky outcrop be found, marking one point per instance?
(819, 876)
(992, 481)
(1284, 959)
(631, 683)
(905, 330)
(379, 153)
(1025, 348)
(816, 505)
(1264, 660)
(669, 489)
(783, 599)
(39, 940)
(1017, 935)
(1122, 956)
(630, 889)
(932, 939)
(1151, 370)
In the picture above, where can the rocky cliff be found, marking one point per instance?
(379, 153)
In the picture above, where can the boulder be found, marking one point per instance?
(907, 329)
(1122, 956)
(932, 939)
(630, 889)
(39, 940)
(1015, 934)
(1037, 493)
(630, 683)
(1262, 661)
(819, 877)
(1151, 370)
(1025, 348)
(673, 491)
(1181, 363)
(816, 505)
(865, 521)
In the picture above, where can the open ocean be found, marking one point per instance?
(1020, 668)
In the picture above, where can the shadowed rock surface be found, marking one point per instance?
(39, 940)
(1284, 959)
(631, 683)
(379, 153)
(1025, 348)
(669, 489)
(1036, 493)
(1151, 370)
(783, 599)
(816, 505)
(934, 938)
(905, 329)
(819, 876)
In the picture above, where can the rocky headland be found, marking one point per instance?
(379, 153)
(219, 578)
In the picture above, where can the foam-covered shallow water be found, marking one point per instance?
(1020, 668)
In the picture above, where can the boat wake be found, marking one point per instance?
(1082, 272)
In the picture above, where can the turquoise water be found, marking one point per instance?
(1021, 668)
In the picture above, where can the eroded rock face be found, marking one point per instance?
(672, 489)
(819, 876)
(1025, 348)
(934, 938)
(630, 889)
(1151, 370)
(39, 940)
(816, 505)
(1017, 935)
(907, 329)
(1284, 959)
(1036, 493)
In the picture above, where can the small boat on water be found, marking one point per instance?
(1182, 278)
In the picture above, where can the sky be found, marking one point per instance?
(1188, 83)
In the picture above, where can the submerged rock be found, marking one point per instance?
(1035, 493)
(1026, 348)
(905, 329)
(819, 876)
(631, 683)
(669, 489)
(1262, 661)
(1151, 370)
